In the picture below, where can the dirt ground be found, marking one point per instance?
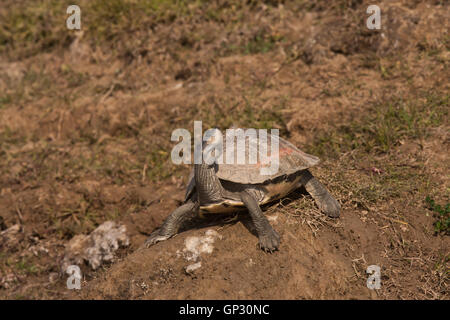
(86, 118)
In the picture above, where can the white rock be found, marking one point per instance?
(10, 236)
(192, 267)
(196, 246)
(97, 248)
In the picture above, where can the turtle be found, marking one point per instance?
(226, 188)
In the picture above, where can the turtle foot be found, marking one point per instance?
(330, 206)
(270, 241)
(154, 238)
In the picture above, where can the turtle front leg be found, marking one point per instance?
(324, 200)
(173, 223)
(269, 239)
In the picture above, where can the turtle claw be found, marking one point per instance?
(234, 218)
(154, 238)
(330, 206)
(270, 241)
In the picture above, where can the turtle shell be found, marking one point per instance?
(291, 160)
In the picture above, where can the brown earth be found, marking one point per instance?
(86, 119)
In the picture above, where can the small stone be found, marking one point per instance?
(192, 267)
(53, 277)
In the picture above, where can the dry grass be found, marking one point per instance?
(86, 123)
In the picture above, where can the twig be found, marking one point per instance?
(19, 214)
(106, 95)
(144, 172)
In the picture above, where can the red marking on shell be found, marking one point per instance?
(285, 151)
(282, 152)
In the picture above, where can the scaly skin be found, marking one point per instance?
(269, 240)
(173, 223)
(324, 200)
(207, 184)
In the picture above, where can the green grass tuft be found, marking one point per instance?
(442, 213)
(384, 126)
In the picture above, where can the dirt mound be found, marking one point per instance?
(233, 267)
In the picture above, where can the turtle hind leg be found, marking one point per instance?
(269, 240)
(324, 200)
(173, 223)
